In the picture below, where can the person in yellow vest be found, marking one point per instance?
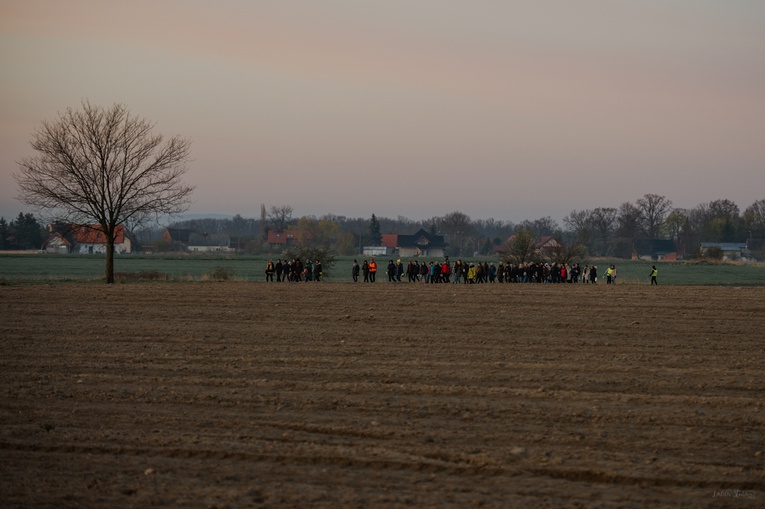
(372, 270)
(471, 274)
(654, 275)
(610, 275)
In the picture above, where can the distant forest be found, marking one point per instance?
(602, 231)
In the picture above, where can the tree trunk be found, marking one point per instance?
(109, 269)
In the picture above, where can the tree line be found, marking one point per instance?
(613, 231)
(22, 233)
(600, 231)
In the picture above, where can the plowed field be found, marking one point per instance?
(381, 395)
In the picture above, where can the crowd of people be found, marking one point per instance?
(480, 272)
(459, 272)
(294, 270)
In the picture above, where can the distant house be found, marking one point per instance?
(209, 243)
(655, 249)
(91, 239)
(390, 241)
(87, 239)
(282, 239)
(544, 242)
(58, 243)
(177, 238)
(730, 250)
(387, 246)
(420, 244)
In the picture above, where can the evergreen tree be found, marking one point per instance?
(4, 233)
(27, 232)
(374, 231)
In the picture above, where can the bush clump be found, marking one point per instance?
(144, 275)
(219, 274)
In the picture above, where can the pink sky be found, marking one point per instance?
(511, 110)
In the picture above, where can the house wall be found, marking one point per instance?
(209, 249)
(411, 252)
(91, 248)
(125, 248)
(728, 253)
(434, 253)
(375, 251)
(57, 245)
(122, 248)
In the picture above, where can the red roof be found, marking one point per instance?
(281, 237)
(94, 234)
(389, 240)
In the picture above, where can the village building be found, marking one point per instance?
(654, 249)
(542, 243)
(87, 239)
(730, 250)
(282, 240)
(421, 244)
(209, 243)
(58, 243)
(177, 239)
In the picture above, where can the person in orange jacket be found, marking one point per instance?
(372, 270)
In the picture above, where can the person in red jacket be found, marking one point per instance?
(446, 271)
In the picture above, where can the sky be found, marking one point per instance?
(500, 109)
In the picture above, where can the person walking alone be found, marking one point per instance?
(654, 275)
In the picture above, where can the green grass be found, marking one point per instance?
(683, 273)
(36, 268)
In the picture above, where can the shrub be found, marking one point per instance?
(313, 253)
(220, 274)
(150, 275)
(714, 252)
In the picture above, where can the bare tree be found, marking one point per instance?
(604, 221)
(677, 226)
(724, 209)
(521, 248)
(754, 218)
(544, 226)
(565, 252)
(579, 222)
(718, 221)
(653, 210)
(628, 220)
(457, 226)
(280, 217)
(104, 166)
